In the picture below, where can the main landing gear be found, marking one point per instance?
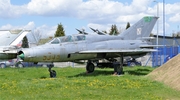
(118, 66)
(90, 67)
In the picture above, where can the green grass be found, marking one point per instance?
(74, 84)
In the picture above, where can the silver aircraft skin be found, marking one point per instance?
(94, 47)
(9, 43)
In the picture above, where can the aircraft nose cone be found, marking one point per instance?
(21, 56)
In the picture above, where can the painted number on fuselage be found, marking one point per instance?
(51, 57)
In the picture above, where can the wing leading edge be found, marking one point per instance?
(117, 51)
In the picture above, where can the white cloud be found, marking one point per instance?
(10, 11)
(140, 5)
(92, 10)
(6, 27)
(29, 26)
(172, 8)
(99, 13)
(45, 31)
(175, 18)
(52, 7)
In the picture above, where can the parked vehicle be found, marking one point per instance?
(128, 61)
(13, 62)
(133, 62)
(32, 64)
(6, 63)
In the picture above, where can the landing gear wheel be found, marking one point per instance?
(52, 72)
(2, 65)
(20, 65)
(120, 70)
(90, 67)
(132, 64)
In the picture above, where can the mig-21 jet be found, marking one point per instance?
(132, 42)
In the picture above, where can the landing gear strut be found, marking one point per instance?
(118, 68)
(52, 72)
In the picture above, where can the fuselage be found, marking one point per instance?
(8, 52)
(87, 47)
(67, 48)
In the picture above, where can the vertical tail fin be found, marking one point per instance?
(19, 37)
(140, 29)
(12, 37)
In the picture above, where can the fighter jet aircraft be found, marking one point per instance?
(82, 31)
(97, 31)
(132, 42)
(8, 43)
(94, 30)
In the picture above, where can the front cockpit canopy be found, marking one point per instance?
(69, 38)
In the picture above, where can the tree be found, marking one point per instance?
(128, 25)
(113, 30)
(60, 31)
(25, 43)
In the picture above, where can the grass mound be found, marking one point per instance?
(168, 73)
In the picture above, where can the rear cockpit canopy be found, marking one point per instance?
(69, 38)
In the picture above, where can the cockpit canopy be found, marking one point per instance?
(69, 38)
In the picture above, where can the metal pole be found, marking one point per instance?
(157, 22)
(164, 28)
(156, 57)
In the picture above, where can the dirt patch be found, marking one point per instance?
(168, 73)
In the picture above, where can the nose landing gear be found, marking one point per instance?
(52, 72)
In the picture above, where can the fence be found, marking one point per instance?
(164, 54)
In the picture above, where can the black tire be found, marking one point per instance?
(52, 73)
(20, 65)
(90, 67)
(132, 64)
(2, 65)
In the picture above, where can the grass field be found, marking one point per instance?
(74, 84)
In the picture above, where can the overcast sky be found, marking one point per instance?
(45, 15)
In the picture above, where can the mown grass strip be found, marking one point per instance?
(74, 84)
